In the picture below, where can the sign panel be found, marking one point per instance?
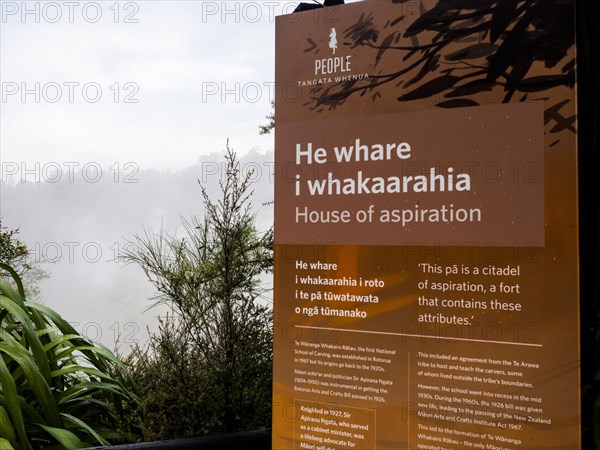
(426, 273)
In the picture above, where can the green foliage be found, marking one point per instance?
(15, 253)
(270, 126)
(208, 368)
(57, 388)
(12, 251)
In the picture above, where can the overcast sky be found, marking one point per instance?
(110, 112)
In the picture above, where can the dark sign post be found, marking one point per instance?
(426, 273)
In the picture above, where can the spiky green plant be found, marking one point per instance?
(57, 388)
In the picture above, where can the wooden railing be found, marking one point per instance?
(248, 440)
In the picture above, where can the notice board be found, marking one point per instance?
(426, 271)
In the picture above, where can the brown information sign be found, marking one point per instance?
(426, 272)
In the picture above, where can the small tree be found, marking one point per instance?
(15, 253)
(12, 251)
(270, 125)
(214, 351)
